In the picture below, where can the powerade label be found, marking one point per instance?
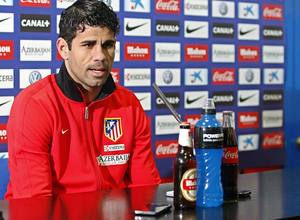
(230, 155)
(208, 137)
(188, 185)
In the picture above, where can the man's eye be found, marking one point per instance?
(89, 45)
(108, 45)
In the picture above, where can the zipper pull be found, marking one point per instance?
(86, 113)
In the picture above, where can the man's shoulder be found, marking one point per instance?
(37, 89)
(125, 92)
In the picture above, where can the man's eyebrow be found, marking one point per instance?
(88, 42)
(109, 41)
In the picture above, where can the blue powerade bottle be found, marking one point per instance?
(208, 143)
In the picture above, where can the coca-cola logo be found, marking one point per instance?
(223, 76)
(273, 12)
(273, 140)
(166, 148)
(230, 155)
(167, 6)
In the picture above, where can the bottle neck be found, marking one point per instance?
(184, 138)
(209, 111)
(228, 121)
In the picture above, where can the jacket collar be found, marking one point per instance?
(71, 90)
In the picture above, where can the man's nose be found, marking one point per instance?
(99, 53)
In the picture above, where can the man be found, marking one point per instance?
(78, 131)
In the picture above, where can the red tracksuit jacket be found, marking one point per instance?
(59, 144)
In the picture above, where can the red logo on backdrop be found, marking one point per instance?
(223, 76)
(6, 50)
(273, 140)
(192, 119)
(248, 119)
(248, 53)
(167, 6)
(115, 73)
(230, 155)
(166, 148)
(137, 51)
(194, 52)
(273, 12)
(3, 134)
(36, 3)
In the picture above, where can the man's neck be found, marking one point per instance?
(76, 92)
(91, 94)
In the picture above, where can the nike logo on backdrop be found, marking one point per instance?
(246, 98)
(3, 103)
(190, 101)
(188, 30)
(131, 28)
(246, 32)
(143, 98)
(4, 19)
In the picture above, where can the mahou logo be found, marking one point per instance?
(194, 52)
(273, 12)
(273, 140)
(166, 148)
(167, 6)
(192, 119)
(3, 134)
(137, 51)
(115, 73)
(248, 53)
(6, 50)
(36, 3)
(221, 76)
(248, 119)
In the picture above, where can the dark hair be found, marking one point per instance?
(86, 12)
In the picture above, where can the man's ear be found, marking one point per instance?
(62, 48)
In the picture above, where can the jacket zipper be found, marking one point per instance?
(90, 140)
(86, 113)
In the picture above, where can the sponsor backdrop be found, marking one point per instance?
(232, 51)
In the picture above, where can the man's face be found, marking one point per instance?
(90, 59)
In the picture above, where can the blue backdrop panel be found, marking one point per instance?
(233, 51)
(4, 176)
(292, 85)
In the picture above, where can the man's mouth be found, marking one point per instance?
(98, 69)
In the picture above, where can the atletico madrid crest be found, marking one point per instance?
(113, 128)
